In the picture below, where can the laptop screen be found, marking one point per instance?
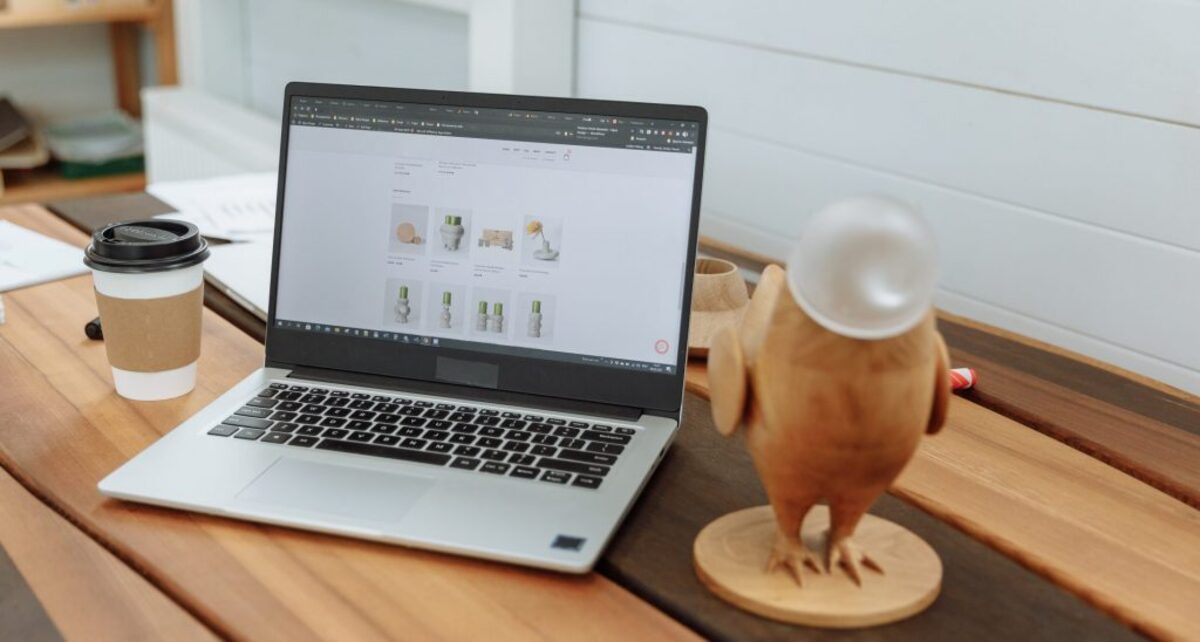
(553, 236)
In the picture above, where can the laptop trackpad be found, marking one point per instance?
(341, 492)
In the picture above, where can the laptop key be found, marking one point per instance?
(485, 420)
(319, 391)
(339, 393)
(279, 386)
(445, 406)
(522, 459)
(364, 415)
(247, 422)
(461, 416)
(573, 444)
(289, 406)
(358, 425)
(602, 428)
(334, 433)
(440, 447)
(289, 398)
(436, 435)
(383, 428)
(465, 428)
(556, 422)
(534, 418)
(410, 411)
(626, 431)
(578, 424)
(387, 440)
(386, 406)
(413, 421)
(508, 414)
(524, 472)
(467, 451)
(495, 468)
(555, 477)
(275, 438)
(338, 402)
(489, 413)
(333, 422)
(465, 463)
(284, 427)
(423, 404)
(543, 451)
(516, 446)
(540, 429)
(413, 442)
(494, 455)
(420, 456)
(387, 419)
(512, 423)
(224, 430)
(573, 467)
(516, 435)
(606, 437)
(546, 440)
(410, 431)
(260, 402)
(435, 414)
(588, 458)
(490, 431)
(462, 439)
(359, 435)
(563, 431)
(248, 411)
(360, 395)
(362, 404)
(587, 481)
(300, 388)
(337, 412)
(601, 447)
(249, 433)
(312, 409)
(304, 441)
(310, 431)
(489, 442)
(438, 424)
(282, 415)
(268, 393)
(312, 398)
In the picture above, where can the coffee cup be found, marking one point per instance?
(149, 281)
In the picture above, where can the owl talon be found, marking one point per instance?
(790, 553)
(851, 559)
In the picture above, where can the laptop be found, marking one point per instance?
(476, 337)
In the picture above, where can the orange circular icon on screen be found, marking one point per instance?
(661, 346)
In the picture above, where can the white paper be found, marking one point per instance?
(235, 208)
(243, 271)
(28, 258)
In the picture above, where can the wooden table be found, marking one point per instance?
(1040, 539)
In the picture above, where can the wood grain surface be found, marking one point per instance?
(1058, 511)
(63, 429)
(87, 592)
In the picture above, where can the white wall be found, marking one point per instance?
(1055, 145)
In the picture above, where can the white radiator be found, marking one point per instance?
(192, 134)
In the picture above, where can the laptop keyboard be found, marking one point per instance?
(508, 443)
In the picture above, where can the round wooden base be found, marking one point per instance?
(731, 559)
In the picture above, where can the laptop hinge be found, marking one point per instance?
(463, 392)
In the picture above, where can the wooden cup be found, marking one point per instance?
(719, 299)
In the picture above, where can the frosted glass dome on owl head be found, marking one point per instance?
(865, 268)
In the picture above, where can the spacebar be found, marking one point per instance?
(437, 459)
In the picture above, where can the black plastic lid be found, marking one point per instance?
(146, 246)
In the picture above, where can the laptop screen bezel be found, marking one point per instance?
(292, 348)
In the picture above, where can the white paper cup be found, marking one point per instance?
(149, 280)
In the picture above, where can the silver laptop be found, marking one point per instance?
(477, 329)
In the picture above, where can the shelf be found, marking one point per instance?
(40, 186)
(130, 13)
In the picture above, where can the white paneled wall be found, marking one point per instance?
(1055, 145)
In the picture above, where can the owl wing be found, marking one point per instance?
(728, 380)
(941, 386)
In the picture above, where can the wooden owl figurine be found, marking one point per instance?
(831, 417)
